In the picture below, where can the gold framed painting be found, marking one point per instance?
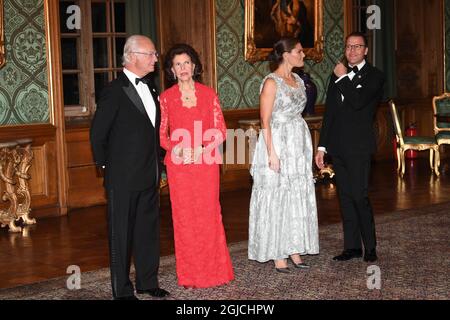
(266, 21)
(2, 38)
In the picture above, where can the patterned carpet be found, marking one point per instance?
(413, 249)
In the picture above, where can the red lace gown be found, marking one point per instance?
(202, 257)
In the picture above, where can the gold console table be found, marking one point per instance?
(15, 161)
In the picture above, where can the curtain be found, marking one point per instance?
(384, 53)
(141, 19)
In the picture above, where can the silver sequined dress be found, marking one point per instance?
(283, 211)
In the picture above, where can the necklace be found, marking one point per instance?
(185, 96)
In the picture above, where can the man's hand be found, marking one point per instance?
(319, 159)
(340, 70)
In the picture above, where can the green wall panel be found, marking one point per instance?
(23, 79)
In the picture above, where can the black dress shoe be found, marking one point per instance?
(370, 255)
(348, 254)
(155, 292)
(283, 270)
(133, 297)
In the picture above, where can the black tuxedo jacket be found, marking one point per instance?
(347, 127)
(124, 139)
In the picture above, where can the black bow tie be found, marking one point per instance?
(144, 80)
(354, 69)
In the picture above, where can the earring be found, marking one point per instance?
(175, 76)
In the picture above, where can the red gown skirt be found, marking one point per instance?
(202, 257)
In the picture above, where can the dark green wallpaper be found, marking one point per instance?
(239, 81)
(23, 79)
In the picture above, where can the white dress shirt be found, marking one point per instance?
(144, 93)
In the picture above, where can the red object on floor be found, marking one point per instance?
(411, 131)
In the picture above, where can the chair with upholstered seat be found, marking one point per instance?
(413, 143)
(441, 112)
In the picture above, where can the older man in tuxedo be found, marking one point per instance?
(125, 143)
(347, 135)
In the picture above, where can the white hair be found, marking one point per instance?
(131, 45)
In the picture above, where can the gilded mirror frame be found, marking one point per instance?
(2, 37)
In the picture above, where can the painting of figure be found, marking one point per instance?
(269, 20)
(284, 18)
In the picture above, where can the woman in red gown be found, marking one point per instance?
(192, 128)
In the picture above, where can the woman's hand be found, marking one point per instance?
(188, 155)
(197, 153)
(274, 162)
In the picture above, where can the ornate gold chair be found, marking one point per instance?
(441, 112)
(413, 143)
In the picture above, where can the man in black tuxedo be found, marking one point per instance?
(347, 135)
(125, 143)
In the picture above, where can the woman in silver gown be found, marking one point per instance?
(283, 211)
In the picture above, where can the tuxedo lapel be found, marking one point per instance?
(134, 97)
(154, 93)
(361, 75)
(131, 92)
